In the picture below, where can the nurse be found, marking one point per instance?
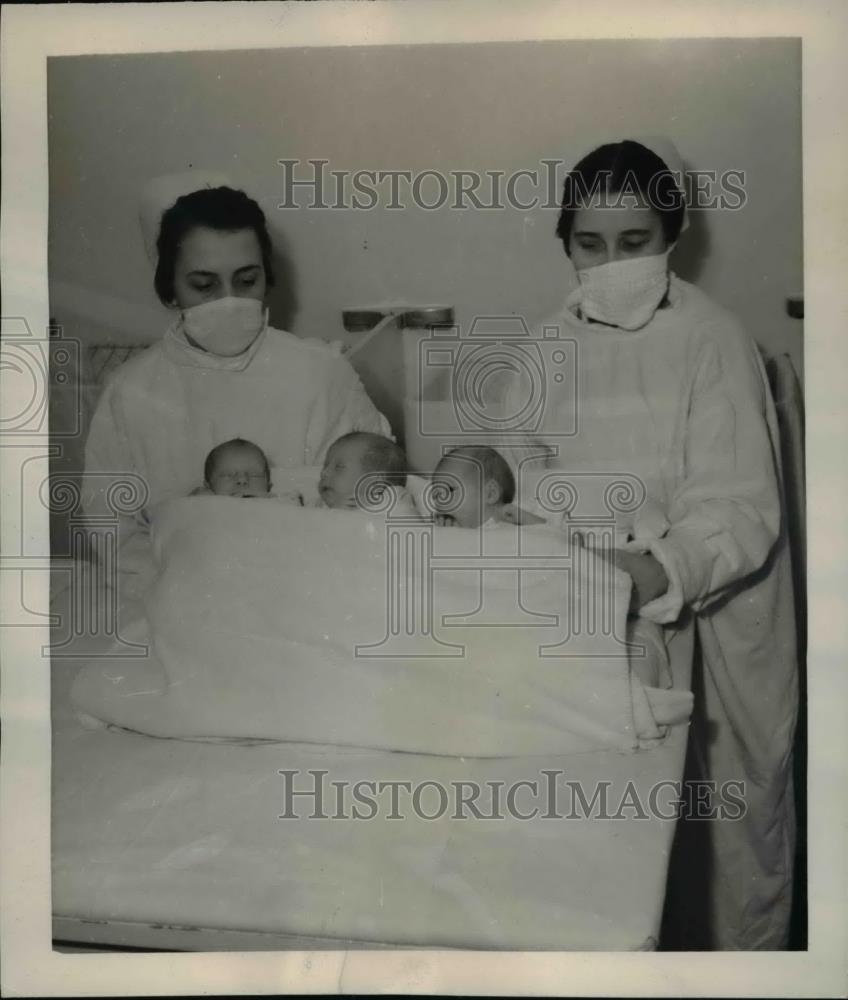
(220, 371)
(671, 389)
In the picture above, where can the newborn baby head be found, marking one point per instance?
(237, 468)
(353, 456)
(470, 484)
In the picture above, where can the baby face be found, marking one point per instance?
(342, 471)
(240, 471)
(459, 497)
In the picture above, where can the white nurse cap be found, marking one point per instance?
(662, 147)
(161, 193)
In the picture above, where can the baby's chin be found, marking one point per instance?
(332, 499)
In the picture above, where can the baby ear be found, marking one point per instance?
(492, 492)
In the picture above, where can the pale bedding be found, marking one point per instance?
(267, 621)
(173, 833)
(169, 843)
(184, 832)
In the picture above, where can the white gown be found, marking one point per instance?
(163, 411)
(684, 405)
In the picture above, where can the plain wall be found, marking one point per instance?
(115, 122)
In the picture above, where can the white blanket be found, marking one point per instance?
(268, 621)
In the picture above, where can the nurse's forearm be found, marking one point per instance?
(708, 556)
(649, 578)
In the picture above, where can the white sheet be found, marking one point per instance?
(170, 834)
(261, 613)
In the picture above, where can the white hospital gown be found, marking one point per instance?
(684, 405)
(163, 411)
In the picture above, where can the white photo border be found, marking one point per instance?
(32, 33)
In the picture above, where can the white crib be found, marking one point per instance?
(170, 845)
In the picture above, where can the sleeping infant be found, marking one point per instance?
(354, 456)
(236, 468)
(473, 487)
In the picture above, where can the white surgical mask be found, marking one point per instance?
(225, 327)
(623, 293)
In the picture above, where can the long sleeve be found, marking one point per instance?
(520, 441)
(112, 487)
(342, 406)
(107, 453)
(725, 513)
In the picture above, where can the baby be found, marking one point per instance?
(355, 455)
(472, 486)
(236, 468)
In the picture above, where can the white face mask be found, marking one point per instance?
(225, 327)
(623, 293)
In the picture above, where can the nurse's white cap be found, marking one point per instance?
(161, 193)
(661, 146)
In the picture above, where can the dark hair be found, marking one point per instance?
(623, 166)
(215, 454)
(493, 465)
(381, 456)
(219, 208)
